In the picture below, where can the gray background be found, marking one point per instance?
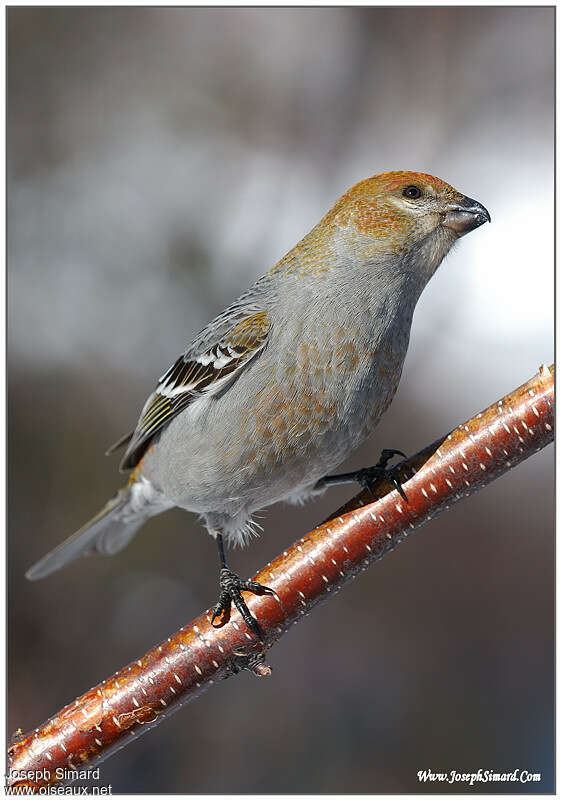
(158, 161)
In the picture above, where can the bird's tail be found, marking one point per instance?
(107, 533)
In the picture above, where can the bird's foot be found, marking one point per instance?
(370, 477)
(231, 587)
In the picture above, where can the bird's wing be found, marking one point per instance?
(216, 357)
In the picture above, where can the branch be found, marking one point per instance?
(147, 691)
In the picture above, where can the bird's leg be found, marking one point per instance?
(369, 477)
(231, 587)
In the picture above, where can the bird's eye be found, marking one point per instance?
(412, 192)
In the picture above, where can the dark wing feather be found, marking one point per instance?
(195, 374)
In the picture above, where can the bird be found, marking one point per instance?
(283, 385)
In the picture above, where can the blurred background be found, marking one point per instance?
(159, 160)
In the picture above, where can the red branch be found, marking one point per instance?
(140, 695)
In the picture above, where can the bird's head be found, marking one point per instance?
(409, 216)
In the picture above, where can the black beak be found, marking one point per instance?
(465, 215)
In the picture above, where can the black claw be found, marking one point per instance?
(371, 476)
(222, 610)
(247, 617)
(387, 455)
(397, 485)
(231, 587)
(257, 588)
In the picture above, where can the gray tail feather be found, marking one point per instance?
(108, 532)
(120, 443)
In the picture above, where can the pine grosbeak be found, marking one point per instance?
(285, 383)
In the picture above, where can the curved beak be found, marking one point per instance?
(465, 215)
